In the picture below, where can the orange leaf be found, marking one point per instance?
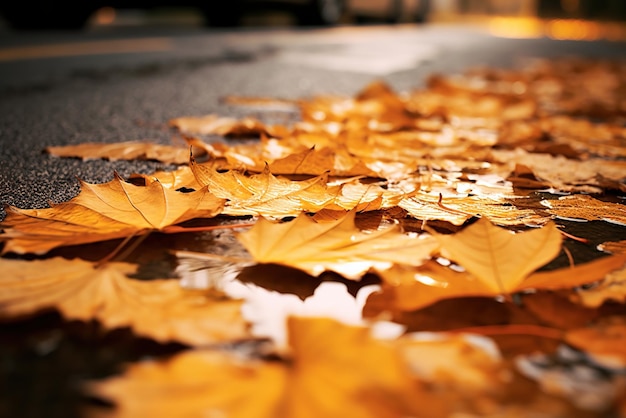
(500, 259)
(158, 309)
(338, 246)
(332, 371)
(102, 212)
(130, 150)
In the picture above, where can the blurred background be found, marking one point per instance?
(561, 19)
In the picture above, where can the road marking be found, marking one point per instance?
(121, 46)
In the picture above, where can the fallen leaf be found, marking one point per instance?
(102, 212)
(337, 246)
(214, 124)
(407, 288)
(130, 150)
(158, 309)
(564, 174)
(603, 341)
(316, 162)
(500, 259)
(613, 247)
(585, 207)
(454, 361)
(265, 194)
(611, 288)
(332, 370)
(457, 210)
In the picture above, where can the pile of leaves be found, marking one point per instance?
(461, 207)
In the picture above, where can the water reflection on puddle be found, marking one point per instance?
(266, 308)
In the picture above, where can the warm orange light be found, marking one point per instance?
(105, 16)
(515, 27)
(573, 30)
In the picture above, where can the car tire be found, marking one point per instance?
(322, 12)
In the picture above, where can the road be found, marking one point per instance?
(125, 83)
(118, 84)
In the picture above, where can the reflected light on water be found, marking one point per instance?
(267, 310)
(560, 29)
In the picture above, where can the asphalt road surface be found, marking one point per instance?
(119, 84)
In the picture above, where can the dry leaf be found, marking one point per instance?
(332, 370)
(500, 259)
(586, 207)
(457, 210)
(158, 309)
(316, 162)
(214, 124)
(408, 289)
(604, 341)
(613, 247)
(611, 288)
(131, 150)
(265, 194)
(102, 212)
(338, 246)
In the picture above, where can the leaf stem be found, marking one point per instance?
(175, 229)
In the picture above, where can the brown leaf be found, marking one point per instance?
(586, 207)
(604, 341)
(500, 259)
(337, 246)
(332, 370)
(611, 288)
(214, 124)
(158, 309)
(102, 212)
(131, 150)
(407, 289)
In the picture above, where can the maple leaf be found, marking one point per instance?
(264, 193)
(315, 162)
(158, 309)
(457, 210)
(129, 150)
(499, 258)
(603, 341)
(565, 174)
(337, 246)
(332, 370)
(586, 207)
(102, 212)
(214, 124)
(611, 288)
(408, 289)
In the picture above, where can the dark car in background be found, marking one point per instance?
(70, 14)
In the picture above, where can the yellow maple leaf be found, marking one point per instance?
(611, 288)
(338, 246)
(499, 258)
(408, 289)
(158, 309)
(265, 194)
(335, 162)
(332, 371)
(219, 125)
(586, 207)
(129, 150)
(104, 211)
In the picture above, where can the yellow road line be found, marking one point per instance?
(120, 46)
